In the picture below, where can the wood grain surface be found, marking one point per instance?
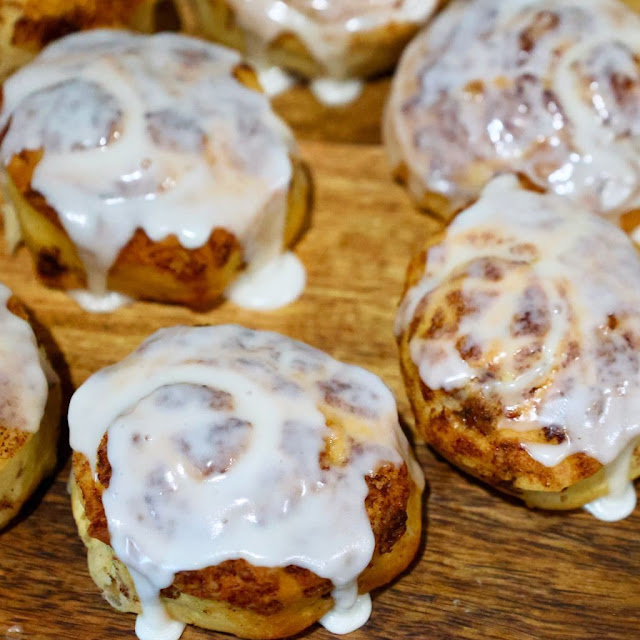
(489, 567)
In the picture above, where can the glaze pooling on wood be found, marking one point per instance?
(325, 28)
(550, 89)
(196, 418)
(23, 382)
(149, 132)
(545, 322)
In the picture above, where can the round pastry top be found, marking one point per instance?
(532, 304)
(230, 443)
(546, 88)
(326, 27)
(23, 383)
(149, 132)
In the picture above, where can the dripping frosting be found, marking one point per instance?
(201, 486)
(545, 320)
(151, 133)
(23, 372)
(545, 88)
(325, 28)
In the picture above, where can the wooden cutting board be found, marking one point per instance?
(489, 568)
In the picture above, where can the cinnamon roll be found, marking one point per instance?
(26, 26)
(335, 43)
(243, 482)
(519, 336)
(29, 409)
(546, 89)
(152, 167)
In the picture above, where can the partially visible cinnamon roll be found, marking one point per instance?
(519, 335)
(335, 42)
(29, 409)
(26, 26)
(243, 482)
(546, 89)
(152, 167)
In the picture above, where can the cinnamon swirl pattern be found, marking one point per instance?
(547, 89)
(152, 167)
(519, 335)
(334, 40)
(29, 409)
(241, 481)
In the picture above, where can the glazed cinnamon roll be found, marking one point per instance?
(29, 409)
(26, 26)
(243, 482)
(546, 89)
(152, 167)
(335, 42)
(519, 336)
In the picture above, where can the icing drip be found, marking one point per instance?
(150, 133)
(325, 28)
(271, 286)
(546, 88)
(196, 418)
(23, 376)
(99, 302)
(345, 619)
(273, 80)
(336, 92)
(621, 499)
(540, 319)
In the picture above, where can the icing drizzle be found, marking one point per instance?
(149, 132)
(547, 88)
(326, 28)
(542, 319)
(197, 418)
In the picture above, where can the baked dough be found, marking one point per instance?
(340, 39)
(125, 178)
(519, 332)
(311, 446)
(546, 89)
(29, 409)
(26, 26)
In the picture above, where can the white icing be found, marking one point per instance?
(329, 91)
(23, 381)
(334, 93)
(153, 623)
(621, 500)
(342, 620)
(325, 28)
(611, 508)
(151, 133)
(549, 325)
(274, 80)
(548, 454)
(99, 303)
(547, 88)
(197, 419)
(270, 286)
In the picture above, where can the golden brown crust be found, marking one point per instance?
(162, 271)
(26, 26)
(26, 457)
(259, 602)
(462, 425)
